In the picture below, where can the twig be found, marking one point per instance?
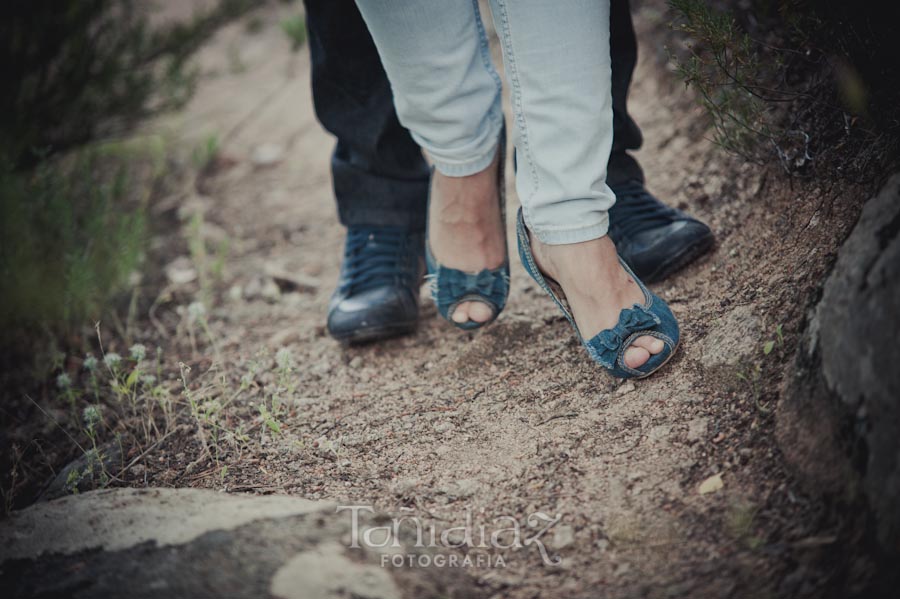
(637, 442)
(143, 454)
(557, 417)
(56, 422)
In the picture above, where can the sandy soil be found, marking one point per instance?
(514, 419)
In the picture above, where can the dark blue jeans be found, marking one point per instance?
(380, 176)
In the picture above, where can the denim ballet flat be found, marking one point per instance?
(607, 347)
(450, 287)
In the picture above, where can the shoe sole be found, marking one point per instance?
(680, 260)
(377, 333)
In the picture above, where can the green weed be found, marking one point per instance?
(295, 28)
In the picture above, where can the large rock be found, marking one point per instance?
(190, 543)
(839, 421)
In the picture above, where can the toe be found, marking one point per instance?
(650, 343)
(461, 313)
(480, 312)
(635, 356)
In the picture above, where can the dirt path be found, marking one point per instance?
(513, 420)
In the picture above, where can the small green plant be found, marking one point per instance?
(210, 266)
(739, 522)
(295, 28)
(770, 345)
(756, 376)
(269, 419)
(204, 155)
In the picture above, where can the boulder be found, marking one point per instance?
(192, 543)
(839, 417)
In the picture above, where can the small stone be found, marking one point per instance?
(461, 488)
(659, 432)
(626, 388)
(406, 487)
(356, 362)
(235, 293)
(697, 429)
(563, 536)
(270, 290)
(443, 427)
(253, 289)
(711, 485)
(289, 280)
(267, 155)
(181, 271)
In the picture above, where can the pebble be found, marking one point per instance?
(697, 429)
(711, 485)
(443, 427)
(267, 155)
(563, 536)
(461, 488)
(626, 388)
(181, 270)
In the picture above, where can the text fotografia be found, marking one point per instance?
(505, 532)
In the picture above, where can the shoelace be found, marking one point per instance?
(637, 211)
(376, 256)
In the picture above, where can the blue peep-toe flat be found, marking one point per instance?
(450, 287)
(607, 347)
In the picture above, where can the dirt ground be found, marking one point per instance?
(511, 420)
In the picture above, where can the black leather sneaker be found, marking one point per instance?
(378, 293)
(654, 239)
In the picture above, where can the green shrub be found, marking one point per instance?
(76, 71)
(813, 84)
(70, 235)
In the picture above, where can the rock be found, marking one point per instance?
(291, 280)
(270, 290)
(180, 271)
(563, 536)
(462, 488)
(697, 429)
(267, 155)
(711, 485)
(90, 471)
(327, 572)
(733, 338)
(443, 427)
(253, 289)
(186, 543)
(406, 487)
(625, 388)
(327, 448)
(846, 382)
(659, 432)
(262, 288)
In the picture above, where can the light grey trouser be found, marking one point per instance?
(447, 93)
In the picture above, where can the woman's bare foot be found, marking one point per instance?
(597, 289)
(465, 230)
